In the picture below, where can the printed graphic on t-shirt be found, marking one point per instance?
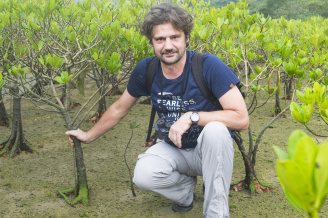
(172, 105)
(171, 109)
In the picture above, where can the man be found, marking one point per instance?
(170, 167)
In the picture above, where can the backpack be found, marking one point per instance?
(197, 72)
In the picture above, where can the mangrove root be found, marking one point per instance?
(254, 186)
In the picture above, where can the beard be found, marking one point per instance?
(171, 60)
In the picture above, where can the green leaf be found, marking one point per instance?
(59, 80)
(252, 76)
(2, 83)
(67, 79)
(41, 60)
(60, 63)
(321, 170)
(64, 74)
(5, 56)
(258, 69)
(40, 45)
(23, 71)
(291, 202)
(282, 155)
(294, 181)
(95, 56)
(305, 154)
(52, 5)
(255, 88)
(34, 46)
(244, 26)
(299, 85)
(308, 109)
(292, 142)
(87, 17)
(132, 125)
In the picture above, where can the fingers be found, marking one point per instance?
(71, 141)
(77, 133)
(175, 137)
(178, 141)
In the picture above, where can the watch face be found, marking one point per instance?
(194, 117)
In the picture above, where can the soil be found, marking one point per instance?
(35, 178)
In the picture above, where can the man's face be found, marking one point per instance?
(169, 43)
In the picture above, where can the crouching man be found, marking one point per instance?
(199, 142)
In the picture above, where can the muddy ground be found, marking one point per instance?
(35, 178)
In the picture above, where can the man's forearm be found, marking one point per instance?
(231, 119)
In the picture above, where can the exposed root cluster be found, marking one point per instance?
(82, 196)
(16, 144)
(254, 186)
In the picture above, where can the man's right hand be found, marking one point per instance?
(79, 134)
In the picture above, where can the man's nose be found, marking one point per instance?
(168, 44)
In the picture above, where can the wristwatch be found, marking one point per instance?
(194, 117)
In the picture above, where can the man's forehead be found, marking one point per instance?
(165, 29)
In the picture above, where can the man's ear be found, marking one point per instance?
(187, 38)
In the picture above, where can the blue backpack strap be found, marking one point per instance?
(197, 72)
(150, 74)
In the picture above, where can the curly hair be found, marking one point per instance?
(167, 12)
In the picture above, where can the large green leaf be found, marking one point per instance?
(291, 202)
(308, 110)
(282, 155)
(297, 112)
(244, 26)
(305, 153)
(292, 142)
(295, 182)
(321, 170)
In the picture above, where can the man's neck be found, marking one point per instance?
(175, 70)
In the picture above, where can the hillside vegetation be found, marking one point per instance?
(290, 9)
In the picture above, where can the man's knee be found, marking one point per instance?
(216, 129)
(142, 175)
(149, 172)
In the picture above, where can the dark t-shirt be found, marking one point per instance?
(218, 78)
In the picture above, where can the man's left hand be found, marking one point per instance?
(180, 127)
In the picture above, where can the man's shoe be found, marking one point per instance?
(181, 209)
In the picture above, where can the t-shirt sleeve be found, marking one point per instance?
(219, 78)
(136, 85)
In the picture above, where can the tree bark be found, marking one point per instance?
(277, 109)
(101, 108)
(16, 142)
(81, 186)
(100, 79)
(4, 118)
(72, 105)
(288, 86)
(115, 90)
(251, 181)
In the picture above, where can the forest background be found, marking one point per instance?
(289, 9)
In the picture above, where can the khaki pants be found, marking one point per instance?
(172, 172)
